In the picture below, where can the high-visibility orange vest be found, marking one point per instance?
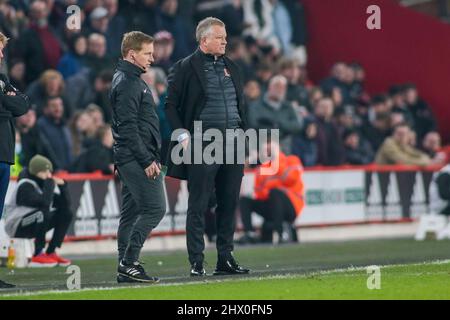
(288, 178)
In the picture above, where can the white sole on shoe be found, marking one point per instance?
(42, 265)
(64, 264)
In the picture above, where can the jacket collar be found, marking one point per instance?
(129, 68)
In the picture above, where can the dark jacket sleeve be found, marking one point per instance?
(443, 182)
(127, 100)
(62, 200)
(18, 104)
(28, 196)
(174, 92)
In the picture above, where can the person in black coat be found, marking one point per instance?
(137, 145)
(12, 104)
(40, 203)
(99, 155)
(207, 86)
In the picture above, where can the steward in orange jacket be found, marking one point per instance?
(279, 198)
(287, 179)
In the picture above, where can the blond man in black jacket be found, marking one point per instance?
(12, 104)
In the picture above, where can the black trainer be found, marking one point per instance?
(4, 285)
(197, 270)
(229, 267)
(133, 273)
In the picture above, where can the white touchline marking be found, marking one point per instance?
(286, 276)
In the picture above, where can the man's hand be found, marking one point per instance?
(153, 170)
(10, 93)
(58, 181)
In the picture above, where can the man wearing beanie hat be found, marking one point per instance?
(40, 203)
(12, 104)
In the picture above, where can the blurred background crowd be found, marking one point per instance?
(67, 74)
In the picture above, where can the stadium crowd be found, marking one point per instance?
(67, 74)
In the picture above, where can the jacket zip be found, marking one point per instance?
(223, 94)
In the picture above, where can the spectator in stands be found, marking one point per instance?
(39, 46)
(98, 21)
(397, 118)
(73, 61)
(164, 45)
(50, 84)
(273, 112)
(336, 95)
(259, 19)
(396, 92)
(17, 74)
(278, 199)
(339, 78)
(88, 87)
(378, 105)
(31, 138)
(233, 16)
(296, 93)
(252, 92)
(95, 112)
(264, 72)
(116, 26)
(236, 50)
(431, 145)
(41, 203)
(304, 145)
(299, 30)
(397, 149)
(377, 131)
(157, 81)
(53, 128)
(315, 94)
(144, 17)
(96, 58)
(329, 142)
(82, 130)
(99, 155)
(171, 21)
(357, 87)
(357, 150)
(282, 26)
(422, 116)
(344, 118)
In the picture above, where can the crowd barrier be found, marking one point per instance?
(334, 196)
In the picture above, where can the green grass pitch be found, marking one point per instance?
(408, 270)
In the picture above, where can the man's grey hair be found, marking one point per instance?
(204, 27)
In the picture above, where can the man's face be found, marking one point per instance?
(97, 47)
(432, 141)
(411, 96)
(55, 109)
(101, 24)
(277, 90)
(53, 86)
(292, 74)
(215, 42)
(39, 10)
(144, 57)
(402, 135)
(352, 141)
(170, 7)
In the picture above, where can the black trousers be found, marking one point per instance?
(275, 210)
(37, 224)
(204, 179)
(143, 207)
